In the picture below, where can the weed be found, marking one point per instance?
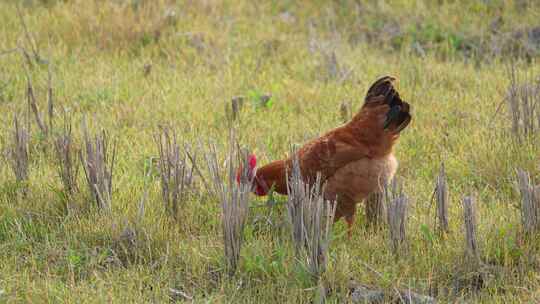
(233, 196)
(68, 167)
(98, 165)
(18, 154)
(311, 218)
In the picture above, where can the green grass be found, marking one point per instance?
(203, 56)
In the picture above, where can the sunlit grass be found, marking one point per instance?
(208, 52)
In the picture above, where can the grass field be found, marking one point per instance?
(132, 66)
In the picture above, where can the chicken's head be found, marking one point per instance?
(257, 188)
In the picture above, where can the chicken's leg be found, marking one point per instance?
(345, 208)
(350, 222)
(348, 210)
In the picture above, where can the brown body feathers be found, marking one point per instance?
(355, 159)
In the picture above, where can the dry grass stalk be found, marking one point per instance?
(345, 111)
(536, 193)
(147, 69)
(297, 191)
(30, 40)
(397, 203)
(175, 173)
(470, 225)
(375, 209)
(530, 203)
(233, 197)
(524, 104)
(332, 65)
(146, 188)
(236, 105)
(330, 68)
(66, 156)
(18, 154)
(441, 192)
(35, 57)
(50, 100)
(32, 104)
(311, 218)
(334, 70)
(98, 165)
(177, 295)
(45, 128)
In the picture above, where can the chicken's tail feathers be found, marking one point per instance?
(397, 118)
(383, 91)
(384, 86)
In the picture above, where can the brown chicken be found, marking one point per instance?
(354, 160)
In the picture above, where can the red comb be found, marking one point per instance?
(252, 160)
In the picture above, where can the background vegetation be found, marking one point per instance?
(130, 67)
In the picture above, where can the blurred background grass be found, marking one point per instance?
(131, 66)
